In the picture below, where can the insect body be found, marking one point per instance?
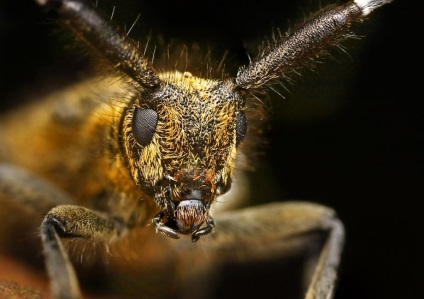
(110, 156)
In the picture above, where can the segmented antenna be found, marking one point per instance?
(118, 49)
(304, 43)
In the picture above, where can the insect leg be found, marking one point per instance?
(273, 233)
(69, 221)
(63, 220)
(24, 189)
(27, 190)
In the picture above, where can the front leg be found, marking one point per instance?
(62, 219)
(25, 189)
(69, 221)
(292, 238)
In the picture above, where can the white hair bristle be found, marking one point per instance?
(368, 6)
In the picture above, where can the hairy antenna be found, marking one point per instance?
(118, 49)
(304, 43)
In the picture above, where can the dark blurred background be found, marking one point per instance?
(348, 135)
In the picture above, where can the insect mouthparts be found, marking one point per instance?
(187, 218)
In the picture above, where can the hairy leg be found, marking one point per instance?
(305, 238)
(62, 220)
(20, 186)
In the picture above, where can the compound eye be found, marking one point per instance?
(144, 124)
(241, 127)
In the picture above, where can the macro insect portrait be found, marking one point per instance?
(129, 175)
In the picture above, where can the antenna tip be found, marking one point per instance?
(367, 6)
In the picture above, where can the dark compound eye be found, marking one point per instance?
(144, 125)
(241, 127)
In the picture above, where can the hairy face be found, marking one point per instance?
(181, 142)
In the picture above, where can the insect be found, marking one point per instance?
(110, 160)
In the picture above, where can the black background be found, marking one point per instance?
(348, 135)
